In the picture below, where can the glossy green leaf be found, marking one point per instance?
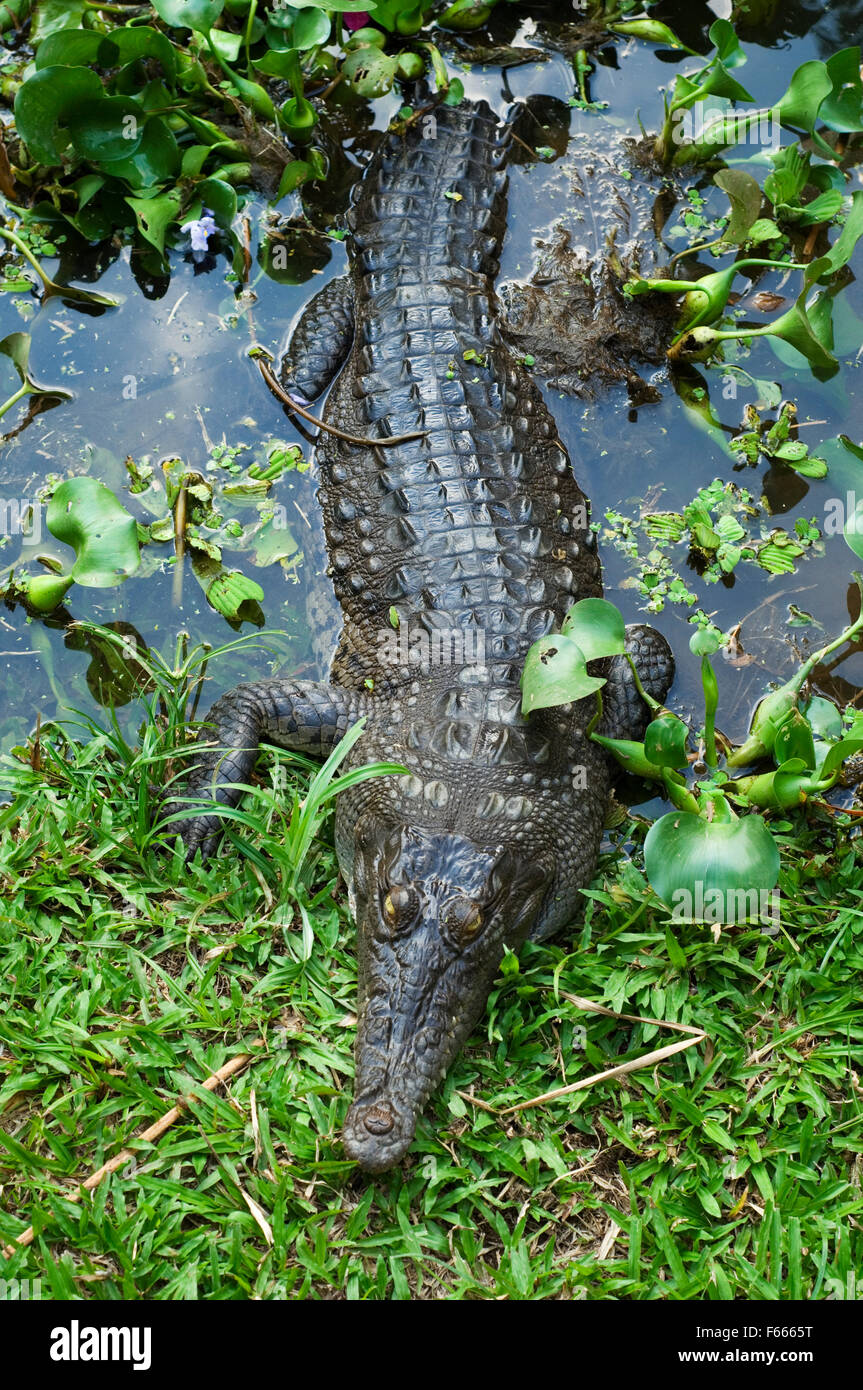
(823, 718)
(369, 71)
(155, 215)
(220, 198)
(665, 741)
(693, 863)
(43, 104)
(848, 745)
(189, 14)
(555, 672)
(106, 129)
(842, 108)
(85, 514)
(86, 46)
(156, 160)
(597, 628)
(800, 104)
(794, 740)
(311, 27)
(745, 196)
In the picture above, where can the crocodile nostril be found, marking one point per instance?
(378, 1119)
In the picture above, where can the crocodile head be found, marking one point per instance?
(434, 912)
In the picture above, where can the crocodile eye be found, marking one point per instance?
(464, 919)
(399, 905)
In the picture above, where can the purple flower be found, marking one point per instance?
(356, 21)
(200, 230)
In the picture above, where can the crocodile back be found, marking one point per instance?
(479, 527)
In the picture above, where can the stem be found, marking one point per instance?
(597, 716)
(13, 400)
(51, 286)
(653, 705)
(331, 429)
(693, 250)
(247, 36)
(817, 657)
(28, 255)
(711, 699)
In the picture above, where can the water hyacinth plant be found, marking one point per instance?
(717, 836)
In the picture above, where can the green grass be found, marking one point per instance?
(729, 1171)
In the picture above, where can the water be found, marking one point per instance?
(167, 374)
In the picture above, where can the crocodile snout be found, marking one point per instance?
(377, 1133)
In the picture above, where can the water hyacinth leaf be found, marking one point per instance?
(226, 590)
(16, 346)
(728, 47)
(800, 104)
(156, 159)
(665, 741)
(767, 719)
(853, 530)
(85, 514)
(745, 196)
(842, 108)
(85, 47)
(823, 718)
(109, 128)
(846, 748)
(841, 251)
(369, 71)
(200, 15)
(220, 198)
(226, 45)
(653, 30)
(794, 740)
(795, 328)
(155, 215)
(596, 627)
(43, 103)
(555, 672)
(311, 27)
(692, 861)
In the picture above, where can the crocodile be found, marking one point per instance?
(449, 555)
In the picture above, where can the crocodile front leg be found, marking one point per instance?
(304, 716)
(624, 713)
(320, 343)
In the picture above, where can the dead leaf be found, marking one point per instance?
(7, 181)
(766, 301)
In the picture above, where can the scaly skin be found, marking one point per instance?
(477, 530)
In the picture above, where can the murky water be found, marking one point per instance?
(167, 374)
